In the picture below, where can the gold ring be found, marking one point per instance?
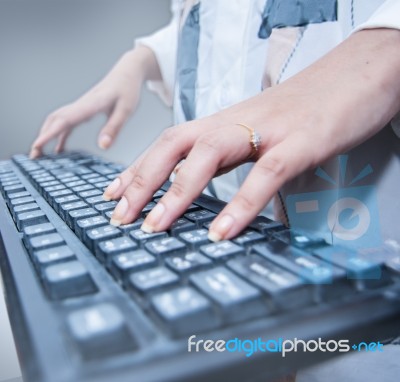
(255, 139)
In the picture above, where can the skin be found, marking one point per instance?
(117, 96)
(333, 105)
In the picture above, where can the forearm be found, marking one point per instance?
(138, 64)
(360, 79)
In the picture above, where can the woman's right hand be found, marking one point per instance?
(116, 95)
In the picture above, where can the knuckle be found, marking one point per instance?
(272, 165)
(131, 170)
(245, 203)
(208, 142)
(169, 135)
(178, 190)
(138, 182)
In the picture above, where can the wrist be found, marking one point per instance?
(139, 64)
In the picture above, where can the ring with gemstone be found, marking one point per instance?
(255, 139)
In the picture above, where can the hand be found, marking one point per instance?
(330, 107)
(116, 95)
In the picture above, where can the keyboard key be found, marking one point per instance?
(45, 241)
(152, 279)
(102, 185)
(84, 224)
(147, 208)
(181, 225)
(39, 229)
(106, 206)
(358, 266)
(83, 187)
(75, 183)
(93, 200)
(101, 169)
(221, 249)
(331, 280)
(101, 233)
(24, 219)
(100, 331)
(76, 215)
(14, 188)
(47, 183)
(188, 262)
(65, 208)
(126, 228)
(69, 179)
(286, 290)
(10, 182)
(183, 309)
(97, 179)
(69, 279)
(66, 199)
(49, 189)
(237, 299)
(201, 216)
(266, 226)
(20, 194)
(248, 237)
(299, 239)
(52, 256)
(124, 264)
(196, 238)
(19, 201)
(26, 207)
(56, 194)
(165, 246)
(90, 193)
(142, 237)
(105, 250)
(158, 194)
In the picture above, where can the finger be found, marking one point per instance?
(153, 170)
(67, 117)
(51, 129)
(114, 124)
(211, 151)
(118, 186)
(281, 163)
(61, 141)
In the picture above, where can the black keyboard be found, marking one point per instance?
(92, 302)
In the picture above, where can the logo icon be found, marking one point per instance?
(343, 214)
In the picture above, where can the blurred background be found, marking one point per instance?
(51, 52)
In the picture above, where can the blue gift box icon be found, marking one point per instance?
(347, 216)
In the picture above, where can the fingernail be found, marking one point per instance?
(153, 218)
(222, 227)
(119, 212)
(105, 141)
(113, 187)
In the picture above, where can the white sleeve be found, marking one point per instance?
(164, 44)
(386, 16)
